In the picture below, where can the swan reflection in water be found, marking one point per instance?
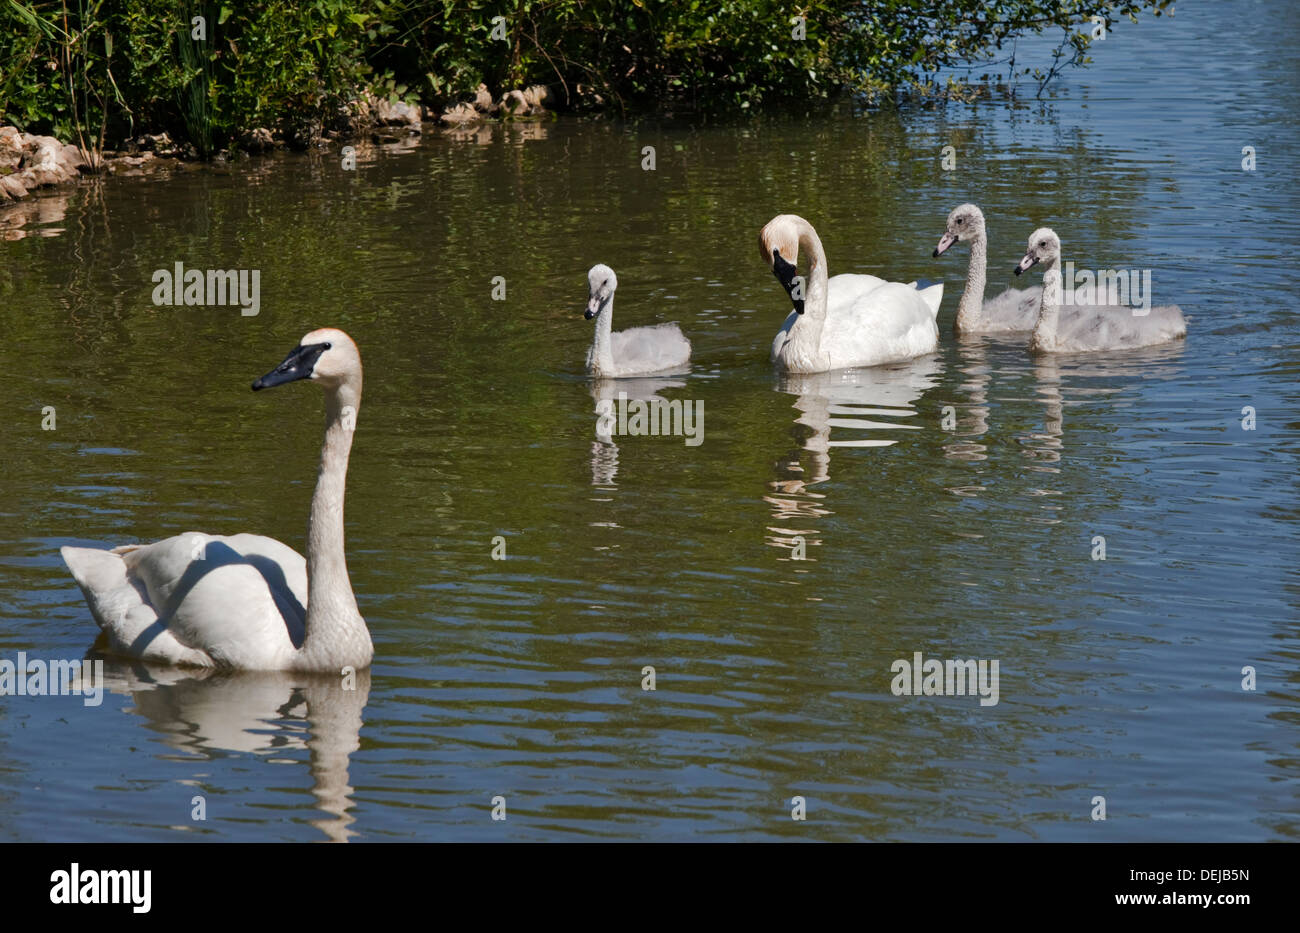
(1119, 378)
(200, 712)
(842, 408)
(604, 450)
(968, 422)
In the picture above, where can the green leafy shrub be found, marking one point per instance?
(84, 69)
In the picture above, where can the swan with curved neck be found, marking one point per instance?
(1090, 327)
(1013, 311)
(246, 601)
(638, 351)
(883, 322)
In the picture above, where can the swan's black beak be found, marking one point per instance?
(786, 274)
(945, 241)
(297, 365)
(1029, 260)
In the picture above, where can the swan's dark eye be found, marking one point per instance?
(328, 346)
(1042, 243)
(961, 220)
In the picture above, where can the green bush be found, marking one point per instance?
(112, 68)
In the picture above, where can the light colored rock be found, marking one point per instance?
(514, 103)
(525, 103)
(42, 150)
(536, 96)
(161, 142)
(460, 114)
(43, 161)
(483, 100)
(13, 186)
(395, 113)
(11, 149)
(72, 159)
(259, 139)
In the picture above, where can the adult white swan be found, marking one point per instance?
(1090, 327)
(862, 324)
(245, 601)
(1013, 311)
(638, 351)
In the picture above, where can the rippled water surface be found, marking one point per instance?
(948, 506)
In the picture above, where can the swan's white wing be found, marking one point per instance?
(932, 296)
(847, 286)
(121, 609)
(1084, 328)
(889, 323)
(640, 351)
(197, 599)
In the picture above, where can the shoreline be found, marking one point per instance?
(33, 162)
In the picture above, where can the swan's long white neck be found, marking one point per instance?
(971, 304)
(600, 361)
(1049, 309)
(336, 635)
(806, 336)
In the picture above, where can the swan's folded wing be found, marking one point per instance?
(933, 298)
(1013, 311)
(120, 606)
(889, 323)
(1117, 327)
(240, 599)
(111, 596)
(783, 335)
(643, 350)
(847, 286)
(1030, 301)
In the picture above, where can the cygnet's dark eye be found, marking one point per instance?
(961, 220)
(328, 345)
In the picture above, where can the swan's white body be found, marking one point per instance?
(638, 351)
(1013, 311)
(865, 321)
(245, 601)
(1088, 328)
(161, 601)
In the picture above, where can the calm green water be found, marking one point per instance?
(522, 677)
